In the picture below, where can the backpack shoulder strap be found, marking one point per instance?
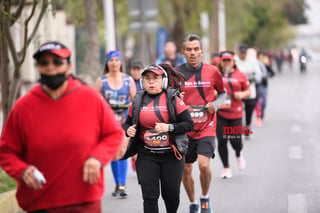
(171, 104)
(200, 89)
(136, 104)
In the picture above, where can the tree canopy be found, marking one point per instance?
(265, 24)
(259, 23)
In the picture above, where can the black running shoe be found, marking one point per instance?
(123, 191)
(116, 192)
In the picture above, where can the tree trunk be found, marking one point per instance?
(9, 87)
(4, 76)
(11, 78)
(92, 65)
(215, 28)
(179, 30)
(14, 88)
(4, 66)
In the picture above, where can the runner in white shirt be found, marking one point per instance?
(249, 65)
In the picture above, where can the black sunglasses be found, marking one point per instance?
(45, 62)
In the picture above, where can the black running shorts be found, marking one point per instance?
(203, 146)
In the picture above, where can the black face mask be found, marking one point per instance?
(53, 81)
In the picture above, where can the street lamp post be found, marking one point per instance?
(110, 37)
(219, 27)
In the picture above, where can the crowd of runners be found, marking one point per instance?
(225, 99)
(166, 117)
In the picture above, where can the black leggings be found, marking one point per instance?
(249, 105)
(235, 139)
(166, 170)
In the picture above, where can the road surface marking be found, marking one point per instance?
(295, 152)
(297, 203)
(297, 117)
(296, 128)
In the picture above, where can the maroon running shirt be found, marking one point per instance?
(148, 118)
(200, 86)
(232, 108)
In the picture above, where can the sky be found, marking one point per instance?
(308, 35)
(313, 12)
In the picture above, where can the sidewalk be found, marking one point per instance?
(8, 202)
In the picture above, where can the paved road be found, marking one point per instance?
(282, 174)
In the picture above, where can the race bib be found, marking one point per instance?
(154, 139)
(120, 115)
(226, 103)
(253, 91)
(198, 113)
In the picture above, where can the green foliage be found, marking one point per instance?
(122, 18)
(192, 16)
(295, 11)
(262, 16)
(191, 9)
(238, 22)
(165, 13)
(76, 12)
(257, 23)
(6, 182)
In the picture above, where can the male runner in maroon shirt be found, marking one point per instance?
(202, 80)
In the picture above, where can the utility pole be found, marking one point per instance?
(218, 35)
(222, 26)
(110, 35)
(215, 27)
(204, 22)
(144, 44)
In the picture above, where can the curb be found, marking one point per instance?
(8, 202)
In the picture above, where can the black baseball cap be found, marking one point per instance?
(243, 48)
(136, 63)
(53, 47)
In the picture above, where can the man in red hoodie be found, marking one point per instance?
(58, 138)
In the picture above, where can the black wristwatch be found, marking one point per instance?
(171, 127)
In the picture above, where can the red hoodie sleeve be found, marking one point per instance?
(10, 152)
(111, 135)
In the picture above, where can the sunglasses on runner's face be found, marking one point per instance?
(45, 62)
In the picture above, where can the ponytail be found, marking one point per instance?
(175, 79)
